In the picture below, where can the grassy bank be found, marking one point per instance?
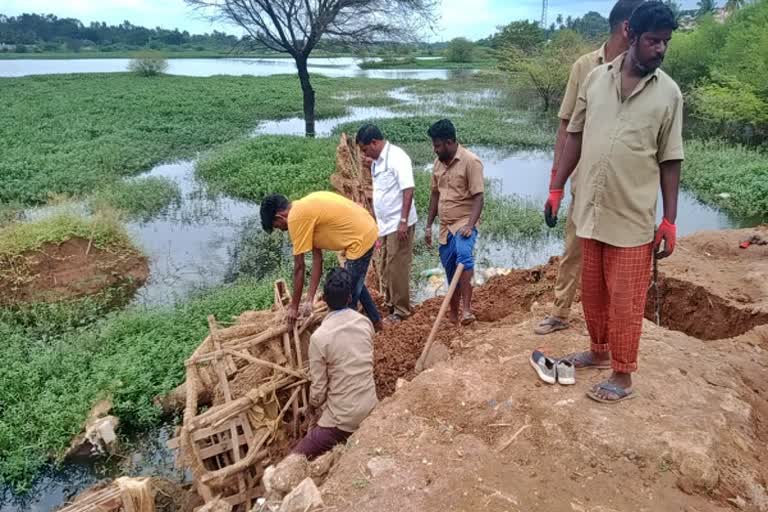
(70, 133)
(103, 229)
(48, 385)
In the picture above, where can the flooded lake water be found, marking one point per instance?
(331, 67)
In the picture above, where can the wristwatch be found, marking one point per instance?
(403, 219)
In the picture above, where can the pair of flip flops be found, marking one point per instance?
(582, 361)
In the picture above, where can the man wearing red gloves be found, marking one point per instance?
(569, 269)
(626, 137)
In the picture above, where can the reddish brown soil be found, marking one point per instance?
(398, 348)
(70, 270)
(712, 289)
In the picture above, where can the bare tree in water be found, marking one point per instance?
(296, 27)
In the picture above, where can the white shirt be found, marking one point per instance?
(392, 173)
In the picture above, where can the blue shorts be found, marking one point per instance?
(458, 250)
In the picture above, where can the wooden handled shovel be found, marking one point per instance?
(440, 315)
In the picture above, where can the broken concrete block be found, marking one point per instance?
(378, 466)
(304, 498)
(698, 474)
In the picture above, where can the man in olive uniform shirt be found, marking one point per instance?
(457, 198)
(341, 369)
(569, 270)
(626, 137)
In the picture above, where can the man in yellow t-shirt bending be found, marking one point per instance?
(325, 221)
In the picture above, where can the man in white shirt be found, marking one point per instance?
(395, 211)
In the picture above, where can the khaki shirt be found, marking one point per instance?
(458, 183)
(579, 71)
(341, 369)
(622, 146)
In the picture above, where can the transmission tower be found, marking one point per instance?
(544, 7)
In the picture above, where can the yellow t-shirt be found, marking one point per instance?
(328, 221)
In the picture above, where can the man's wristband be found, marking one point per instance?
(403, 219)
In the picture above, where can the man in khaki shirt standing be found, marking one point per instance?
(341, 369)
(457, 198)
(569, 271)
(626, 137)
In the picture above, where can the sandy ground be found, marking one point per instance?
(481, 432)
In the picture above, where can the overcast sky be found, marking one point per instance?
(469, 18)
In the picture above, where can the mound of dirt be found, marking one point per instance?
(712, 289)
(70, 270)
(511, 296)
(481, 432)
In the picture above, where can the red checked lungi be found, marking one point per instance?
(614, 284)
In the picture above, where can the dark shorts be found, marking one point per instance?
(458, 250)
(320, 440)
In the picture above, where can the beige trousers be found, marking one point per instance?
(397, 259)
(569, 271)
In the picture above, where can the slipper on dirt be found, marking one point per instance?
(621, 393)
(581, 361)
(468, 319)
(546, 367)
(549, 325)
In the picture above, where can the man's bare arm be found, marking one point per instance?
(670, 187)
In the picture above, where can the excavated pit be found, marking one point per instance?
(711, 288)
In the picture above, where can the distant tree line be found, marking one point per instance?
(51, 33)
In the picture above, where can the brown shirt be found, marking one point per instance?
(579, 71)
(341, 369)
(623, 144)
(458, 183)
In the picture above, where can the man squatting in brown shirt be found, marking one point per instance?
(341, 369)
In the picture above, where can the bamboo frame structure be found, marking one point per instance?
(225, 445)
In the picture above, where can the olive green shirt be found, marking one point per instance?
(341, 369)
(623, 144)
(458, 183)
(579, 71)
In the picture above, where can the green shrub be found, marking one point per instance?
(460, 49)
(148, 65)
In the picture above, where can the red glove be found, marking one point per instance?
(668, 233)
(552, 206)
(552, 177)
